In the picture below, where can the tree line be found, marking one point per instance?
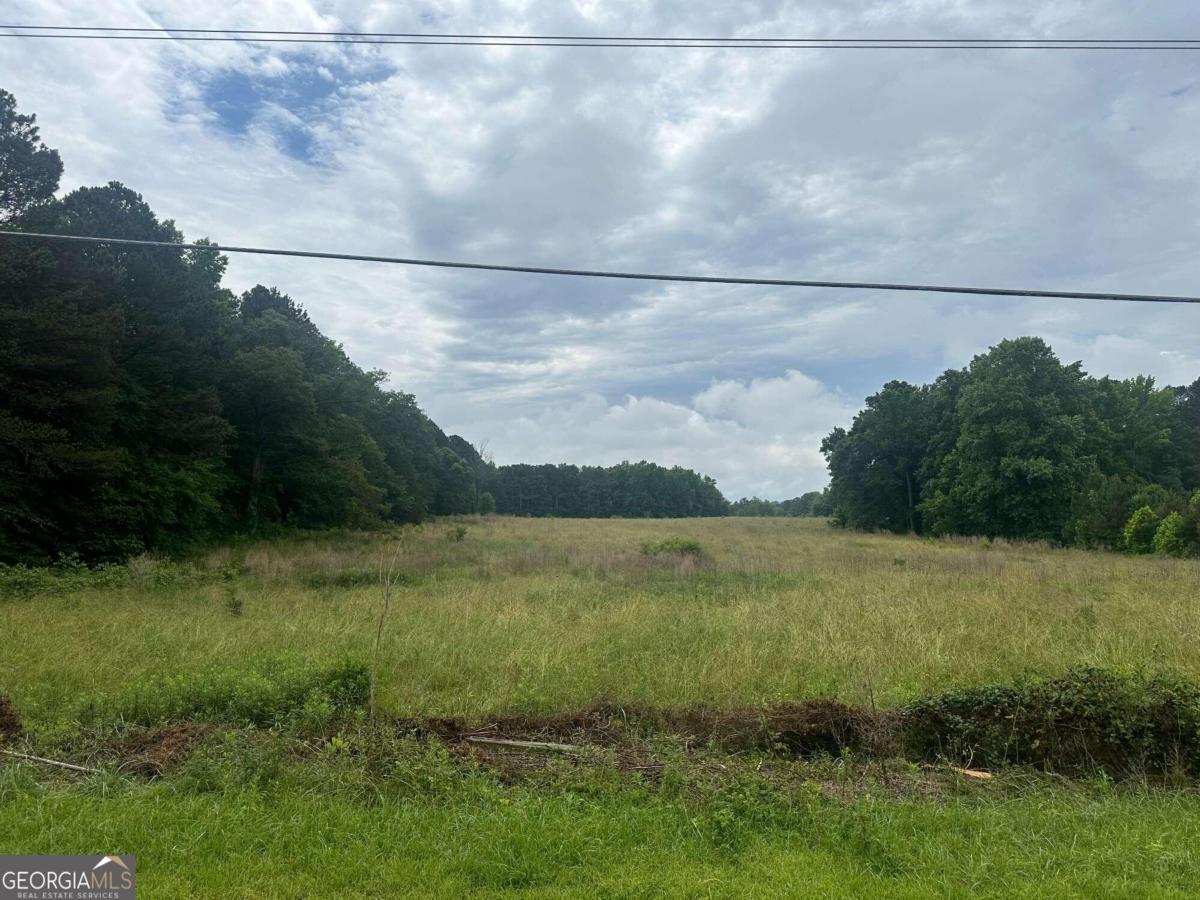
(627, 490)
(1019, 445)
(145, 406)
(810, 504)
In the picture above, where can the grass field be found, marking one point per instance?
(505, 616)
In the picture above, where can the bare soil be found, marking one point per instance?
(802, 730)
(151, 752)
(10, 722)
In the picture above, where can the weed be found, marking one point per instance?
(236, 759)
(268, 694)
(233, 602)
(673, 545)
(1085, 721)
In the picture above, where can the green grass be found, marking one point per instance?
(542, 616)
(299, 840)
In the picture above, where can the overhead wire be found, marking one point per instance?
(600, 273)
(234, 35)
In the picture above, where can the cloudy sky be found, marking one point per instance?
(1007, 168)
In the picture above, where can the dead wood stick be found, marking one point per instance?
(523, 745)
(50, 762)
(969, 773)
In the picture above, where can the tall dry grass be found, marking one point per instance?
(540, 614)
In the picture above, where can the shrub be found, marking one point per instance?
(1138, 536)
(70, 574)
(1169, 538)
(1086, 720)
(272, 693)
(456, 534)
(673, 545)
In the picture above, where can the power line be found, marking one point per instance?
(66, 32)
(635, 276)
(578, 37)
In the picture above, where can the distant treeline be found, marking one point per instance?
(814, 503)
(145, 406)
(1019, 445)
(633, 490)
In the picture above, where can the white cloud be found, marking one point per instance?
(759, 436)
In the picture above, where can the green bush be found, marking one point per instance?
(69, 575)
(1138, 536)
(270, 694)
(673, 545)
(1169, 538)
(1087, 720)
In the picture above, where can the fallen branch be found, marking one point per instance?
(50, 762)
(524, 745)
(974, 773)
(967, 773)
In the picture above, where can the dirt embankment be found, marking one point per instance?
(795, 729)
(1082, 722)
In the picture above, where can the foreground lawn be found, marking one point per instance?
(543, 615)
(294, 842)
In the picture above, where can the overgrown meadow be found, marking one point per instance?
(499, 615)
(223, 702)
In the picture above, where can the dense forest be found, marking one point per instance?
(1019, 445)
(145, 406)
(634, 490)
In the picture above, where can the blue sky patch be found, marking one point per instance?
(308, 90)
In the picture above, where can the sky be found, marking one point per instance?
(1071, 171)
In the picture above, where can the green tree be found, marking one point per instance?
(29, 170)
(1138, 429)
(112, 437)
(1021, 450)
(455, 484)
(635, 490)
(1140, 530)
(1101, 508)
(875, 466)
(271, 405)
(1169, 538)
(1188, 399)
(822, 504)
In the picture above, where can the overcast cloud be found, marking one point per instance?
(1012, 168)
